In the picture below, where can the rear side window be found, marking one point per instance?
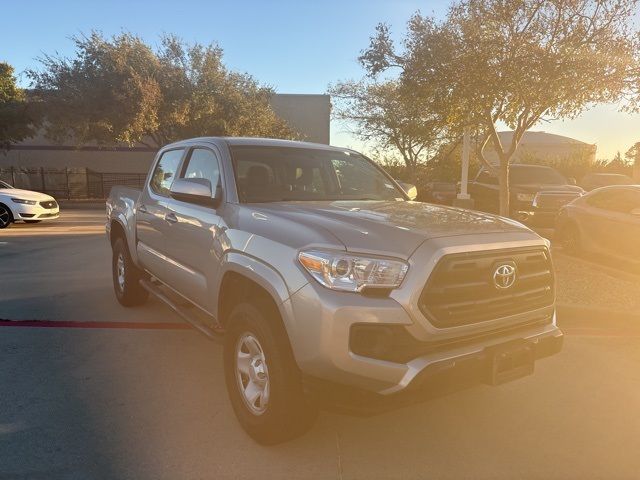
(165, 172)
(202, 163)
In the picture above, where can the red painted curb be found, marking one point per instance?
(68, 324)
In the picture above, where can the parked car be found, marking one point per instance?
(537, 193)
(597, 180)
(606, 221)
(25, 206)
(442, 193)
(324, 282)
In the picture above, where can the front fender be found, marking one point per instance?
(262, 274)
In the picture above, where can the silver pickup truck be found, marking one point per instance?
(325, 282)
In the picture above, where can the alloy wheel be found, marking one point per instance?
(120, 267)
(5, 217)
(252, 374)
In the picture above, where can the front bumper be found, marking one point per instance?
(321, 341)
(320, 324)
(437, 379)
(34, 212)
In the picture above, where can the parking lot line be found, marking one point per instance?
(89, 324)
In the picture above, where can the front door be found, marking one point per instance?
(192, 232)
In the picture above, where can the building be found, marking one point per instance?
(307, 114)
(543, 146)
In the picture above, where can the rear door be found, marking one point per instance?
(192, 231)
(151, 214)
(622, 230)
(484, 192)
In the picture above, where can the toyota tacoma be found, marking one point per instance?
(325, 282)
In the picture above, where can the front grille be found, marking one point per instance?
(48, 215)
(49, 204)
(462, 290)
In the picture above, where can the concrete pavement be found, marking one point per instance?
(151, 404)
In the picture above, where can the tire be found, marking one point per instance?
(570, 238)
(126, 277)
(281, 411)
(6, 217)
(32, 221)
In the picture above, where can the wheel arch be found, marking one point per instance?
(118, 229)
(11, 214)
(246, 278)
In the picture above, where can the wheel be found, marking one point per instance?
(126, 277)
(32, 221)
(263, 381)
(6, 218)
(570, 238)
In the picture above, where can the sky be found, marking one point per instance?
(293, 46)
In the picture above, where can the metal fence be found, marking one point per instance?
(69, 183)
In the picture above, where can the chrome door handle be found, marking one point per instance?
(143, 209)
(171, 218)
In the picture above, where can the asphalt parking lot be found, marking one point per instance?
(147, 400)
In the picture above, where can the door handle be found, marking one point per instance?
(143, 209)
(171, 218)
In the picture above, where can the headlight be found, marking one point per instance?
(23, 202)
(352, 273)
(526, 197)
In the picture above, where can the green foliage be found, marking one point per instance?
(120, 89)
(391, 118)
(632, 155)
(514, 62)
(17, 119)
(575, 165)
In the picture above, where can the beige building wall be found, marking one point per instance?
(307, 114)
(543, 145)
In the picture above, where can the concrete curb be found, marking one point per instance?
(576, 315)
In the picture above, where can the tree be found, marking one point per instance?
(122, 90)
(17, 119)
(513, 63)
(388, 115)
(633, 154)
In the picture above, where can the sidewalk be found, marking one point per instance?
(88, 204)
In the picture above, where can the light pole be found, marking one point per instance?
(463, 199)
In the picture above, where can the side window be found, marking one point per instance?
(621, 201)
(202, 163)
(165, 172)
(485, 177)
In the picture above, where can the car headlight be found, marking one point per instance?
(526, 197)
(23, 202)
(352, 273)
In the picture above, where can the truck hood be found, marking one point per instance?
(388, 227)
(25, 194)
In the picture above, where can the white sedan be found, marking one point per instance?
(24, 205)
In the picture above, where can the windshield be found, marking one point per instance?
(535, 176)
(4, 185)
(274, 174)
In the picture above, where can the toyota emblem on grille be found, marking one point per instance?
(504, 276)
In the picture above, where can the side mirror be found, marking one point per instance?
(572, 181)
(409, 189)
(193, 190)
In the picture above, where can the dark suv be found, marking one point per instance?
(537, 193)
